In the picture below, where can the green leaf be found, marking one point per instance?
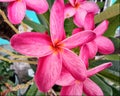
(112, 57)
(69, 26)
(108, 13)
(116, 42)
(105, 88)
(44, 19)
(36, 27)
(50, 2)
(113, 25)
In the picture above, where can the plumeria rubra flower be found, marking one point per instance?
(78, 9)
(16, 8)
(100, 44)
(53, 51)
(73, 87)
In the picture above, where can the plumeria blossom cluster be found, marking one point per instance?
(57, 63)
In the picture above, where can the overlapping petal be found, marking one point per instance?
(72, 2)
(65, 78)
(105, 45)
(78, 39)
(73, 64)
(90, 6)
(72, 90)
(76, 30)
(84, 54)
(7, 0)
(97, 69)
(57, 21)
(16, 11)
(91, 89)
(39, 6)
(101, 28)
(80, 17)
(89, 22)
(31, 44)
(48, 71)
(69, 11)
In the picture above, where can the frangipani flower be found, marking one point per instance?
(73, 87)
(79, 9)
(16, 8)
(100, 44)
(53, 52)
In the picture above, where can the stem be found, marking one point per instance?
(7, 21)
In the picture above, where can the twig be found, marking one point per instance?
(12, 61)
(12, 54)
(7, 21)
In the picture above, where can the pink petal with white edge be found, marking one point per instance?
(90, 7)
(89, 22)
(79, 17)
(97, 69)
(31, 44)
(73, 64)
(69, 11)
(101, 28)
(16, 11)
(48, 71)
(84, 54)
(39, 6)
(7, 0)
(76, 30)
(105, 45)
(78, 39)
(57, 21)
(72, 90)
(65, 78)
(72, 2)
(91, 89)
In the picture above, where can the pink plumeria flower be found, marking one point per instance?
(16, 8)
(53, 51)
(100, 44)
(78, 9)
(73, 87)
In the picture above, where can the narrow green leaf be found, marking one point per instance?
(108, 13)
(105, 88)
(32, 91)
(36, 27)
(50, 2)
(112, 57)
(44, 19)
(113, 25)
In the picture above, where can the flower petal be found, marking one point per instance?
(39, 6)
(16, 11)
(90, 7)
(69, 11)
(78, 39)
(57, 21)
(91, 89)
(65, 78)
(73, 64)
(79, 17)
(99, 68)
(101, 28)
(76, 30)
(48, 71)
(105, 45)
(72, 2)
(7, 0)
(89, 21)
(31, 44)
(84, 54)
(72, 90)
